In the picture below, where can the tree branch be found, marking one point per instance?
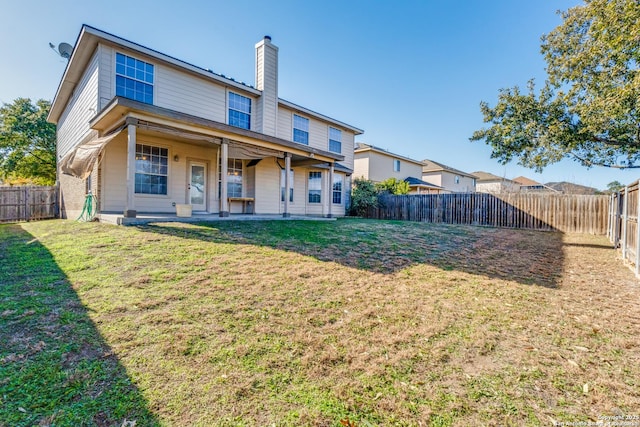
(604, 165)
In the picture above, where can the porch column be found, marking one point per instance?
(130, 206)
(287, 184)
(330, 196)
(224, 157)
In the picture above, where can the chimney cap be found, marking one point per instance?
(267, 38)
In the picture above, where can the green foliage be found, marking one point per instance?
(589, 108)
(27, 142)
(393, 186)
(364, 196)
(614, 187)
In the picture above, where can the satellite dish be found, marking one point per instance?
(64, 50)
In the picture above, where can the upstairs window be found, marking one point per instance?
(134, 79)
(457, 179)
(300, 129)
(335, 140)
(396, 165)
(239, 111)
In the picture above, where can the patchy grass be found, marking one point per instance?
(310, 323)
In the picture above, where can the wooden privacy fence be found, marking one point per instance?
(27, 203)
(623, 231)
(557, 212)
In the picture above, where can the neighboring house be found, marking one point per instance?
(527, 185)
(377, 164)
(450, 179)
(418, 186)
(144, 131)
(490, 183)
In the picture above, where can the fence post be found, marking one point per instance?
(637, 270)
(27, 205)
(624, 223)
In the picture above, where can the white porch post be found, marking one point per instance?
(130, 207)
(330, 195)
(287, 184)
(224, 157)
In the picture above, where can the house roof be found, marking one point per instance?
(527, 182)
(488, 177)
(87, 42)
(431, 166)
(362, 147)
(415, 182)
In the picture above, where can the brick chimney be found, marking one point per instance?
(267, 82)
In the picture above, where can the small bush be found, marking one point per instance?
(363, 197)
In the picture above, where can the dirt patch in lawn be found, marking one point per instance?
(386, 323)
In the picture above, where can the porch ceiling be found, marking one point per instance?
(121, 110)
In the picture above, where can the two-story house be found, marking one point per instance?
(377, 164)
(450, 179)
(489, 183)
(144, 131)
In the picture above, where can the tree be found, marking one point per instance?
(363, 197)
(589, 108)
(614, 187)
(27, 142)
(393, 186)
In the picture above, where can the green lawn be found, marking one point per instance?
(310, 323)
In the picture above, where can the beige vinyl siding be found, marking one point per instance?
(348, 145)
(106, 91)
(318, 134)
(73, 125)
(449, 183)
(267, 176)
(114, 167)
(381, 167)
(172, 89)
(285, 124)
(188, 94)
(361, 165)
(250, 181)
(269, 101)
(434, 178)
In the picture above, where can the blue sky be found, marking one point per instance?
(410, 73)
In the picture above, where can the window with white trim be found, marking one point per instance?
(234, 178)
(315, 187)
(134, 78)
(152, 165)
(337, 189)
(457, 179)
(396, 165)
(335, 140)
(300, 129)
(282, 184)
(239, 111)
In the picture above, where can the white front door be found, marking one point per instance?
(197, 188)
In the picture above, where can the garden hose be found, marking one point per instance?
(89, 209)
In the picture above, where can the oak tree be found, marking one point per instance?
(27, 142)
(589, 107)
